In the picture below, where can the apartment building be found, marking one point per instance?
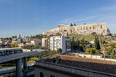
(36, 42)
(62, 42)
(45, 43)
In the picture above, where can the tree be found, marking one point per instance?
(104, 52)
(65, 30)
(102, 41)
(28, 47)
(93, 33)
(91, 45)
(32, 47)
(82, 42)
(72, 43)
(113, 45)
(14, 45)
(58, 34)
(113, 54)
(59, 50)
(77, 44)
(67, 34)
(96, 42)
(37, 46)
(92, 51)
(39, 36)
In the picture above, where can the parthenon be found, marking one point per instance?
(99, 28)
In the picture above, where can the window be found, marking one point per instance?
(52, 76)
(93, 27)
(41, 74)
(83, 28)
(90, 27)
(86, 28)
(101, 26)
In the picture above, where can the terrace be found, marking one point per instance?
(96, 66)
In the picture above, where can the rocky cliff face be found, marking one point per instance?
(100, 29)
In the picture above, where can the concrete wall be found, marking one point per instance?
(94, 56)
(89, 56)
(47, 73)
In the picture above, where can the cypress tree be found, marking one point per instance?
(97, 45)
(72, 43)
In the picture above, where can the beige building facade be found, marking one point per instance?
(100, 29)
(45, 43)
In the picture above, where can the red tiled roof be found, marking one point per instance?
(36, 40)
(47, 39)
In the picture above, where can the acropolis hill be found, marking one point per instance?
(99, 28)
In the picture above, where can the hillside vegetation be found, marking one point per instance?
(87, 37)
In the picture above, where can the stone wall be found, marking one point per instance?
(99, 28)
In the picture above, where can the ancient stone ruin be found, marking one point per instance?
(99, 28)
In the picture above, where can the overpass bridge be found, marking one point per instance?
(7, 70)
(29, 70)
(18, 54)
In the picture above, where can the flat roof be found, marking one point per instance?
(85, 63)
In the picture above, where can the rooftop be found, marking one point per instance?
(36, 40)
(85, 63)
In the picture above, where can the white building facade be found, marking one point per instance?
(62, 42)
(36, 42)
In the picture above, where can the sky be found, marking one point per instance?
(31, 17)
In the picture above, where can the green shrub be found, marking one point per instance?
(92, 51)
(93, 33)
(59, 50)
